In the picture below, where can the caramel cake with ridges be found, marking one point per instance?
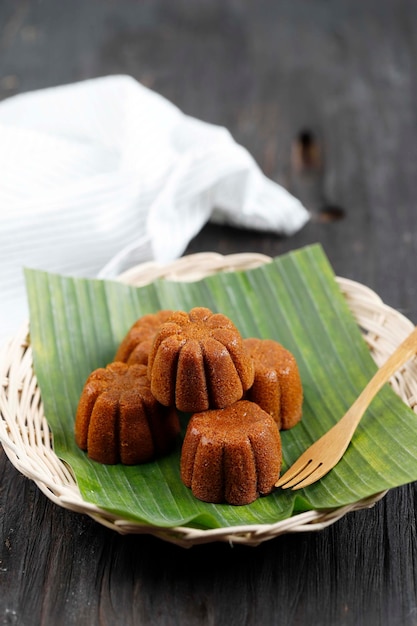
(198, 361)
(277, 386)
(231, 455)
(136, 345)
(119, 421)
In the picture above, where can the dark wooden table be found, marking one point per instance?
(328, 85)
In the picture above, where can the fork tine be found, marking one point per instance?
(308, 474)
(297, 470)
(317, 460)
(295, 473)
(307, 469)
(318, 472)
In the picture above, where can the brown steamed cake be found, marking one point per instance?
(231, 455)
(119, 420)
(198, 361)
(137, 343)
(277, 386)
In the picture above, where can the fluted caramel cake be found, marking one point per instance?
(118, 419)
(136, 345)
(277, 386)
(231, 455)
(198, 361)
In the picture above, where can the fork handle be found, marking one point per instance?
(405, 351)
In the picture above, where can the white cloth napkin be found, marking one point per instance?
(100, 175)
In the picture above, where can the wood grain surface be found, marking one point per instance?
(323, 94)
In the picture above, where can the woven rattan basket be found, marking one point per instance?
(27, 440)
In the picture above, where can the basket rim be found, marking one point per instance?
(36, 459)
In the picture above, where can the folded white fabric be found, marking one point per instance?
(103, 174)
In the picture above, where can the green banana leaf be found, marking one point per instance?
(76, 325)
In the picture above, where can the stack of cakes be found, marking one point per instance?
(240, 394)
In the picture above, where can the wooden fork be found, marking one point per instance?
(327, 451)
